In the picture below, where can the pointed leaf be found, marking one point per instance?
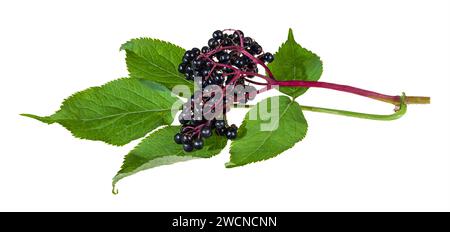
(155, 60)
(292, 62)
(159, 149)
(253, 144)
(117, 112)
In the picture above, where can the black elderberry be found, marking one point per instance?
(195, 51)
(218, 79)
(212, 43)
(188, 147)
(177, 138)
(219, 124)
(189, 55)
(240, 62)
(182, 68)
(205, 49)
(256, 49)
(227, 42)
(189, 76)
(221, 131)
(224, 58)
(198, 144)
(183, 119)
(268, 57)
(228, 70)
(209, 81)
(196, 73)
(248, 41)
(188, 69)
(237, 34)
(206, 132)
(186, 139)
(231, 134)
(217, 34)
(197, 63)
(205, 72)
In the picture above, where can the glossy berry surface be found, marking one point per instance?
(206, 132)
(188, 147)
(198, 144)
(226, 63)
(177, 138)
(231, 134)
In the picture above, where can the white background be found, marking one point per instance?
(51, 49)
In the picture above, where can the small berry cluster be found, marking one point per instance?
(227, 63)
(190, 143)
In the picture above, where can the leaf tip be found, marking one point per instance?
(124, 46)
(115, 191)
(291, 35)
(230, 165)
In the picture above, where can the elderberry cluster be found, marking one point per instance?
(226, 63)
(191, 142)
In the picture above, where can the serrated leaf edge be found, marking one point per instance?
(49, 120)
(233, 165)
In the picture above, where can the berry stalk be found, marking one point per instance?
(271, 80)
(354, 90)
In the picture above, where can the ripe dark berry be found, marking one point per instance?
(219, 124)
(241, 62)
(182, 68)
(237, 34)
(183, 121)
(212, 43)
(256, 49)
(177, 138)
(206, 132)
(195, 51)
(189, 76)
(268, 57)
(248, 41)
(204, 72)
(186, 139)
(189, 55)
(231, 134)
(217, 79)
(221, 131)
(224, 58)
(198, 144)
(217, 34)
(205, 49)
(197, 63)
(227, 42)
(188, 147)
(188, 69)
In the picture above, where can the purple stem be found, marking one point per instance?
(271, 81)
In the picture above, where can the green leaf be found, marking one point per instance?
(155, 60)
(292, 62)
(254, 144)
(117, 112)
(159, 149)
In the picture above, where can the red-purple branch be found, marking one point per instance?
(271, 81)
